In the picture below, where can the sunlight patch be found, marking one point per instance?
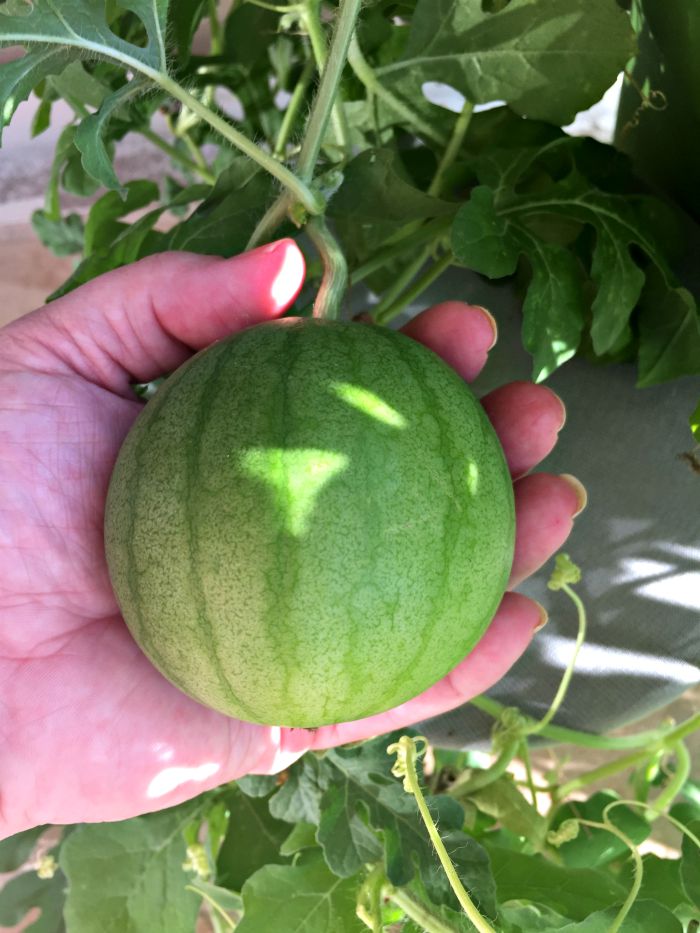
(296, 477)
(369, 403)
(170, 779)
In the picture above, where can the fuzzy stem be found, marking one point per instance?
(312, 23)
(417, 289)
(405, 750)
(365, 73)
(293, 108)
(335, 270)
(318, 121)
(327, 89)
(311, 200)
(450, 154)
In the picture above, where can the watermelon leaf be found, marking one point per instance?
(146, 886)
(305, 896)
(253, 839)
(515, 54)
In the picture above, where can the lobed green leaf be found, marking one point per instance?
(145, 887)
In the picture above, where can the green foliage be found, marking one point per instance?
(595, 250)
(594, 847)
(596, 253)
(27, 891)
(254, 839)
(145, 887)
(17, 849)
(516, 54)
(265, 875)
(305, 896)
(527, 194)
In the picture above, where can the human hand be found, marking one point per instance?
(91, 731)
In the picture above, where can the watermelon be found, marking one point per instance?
(311, 522)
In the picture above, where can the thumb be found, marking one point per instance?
(145, 319)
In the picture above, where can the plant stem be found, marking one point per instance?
(450, 154)
(369, 907)
(417, 289)
(280, 8)
(217, 34)
(416, 911)
(573, 736)
(667, 740)
(365, 73)
(597, 774)
(327, 89)
(177, 156)
(524, 751)
(428, 233)
(568, 673)
(311, 200)
(318, 121)
(664, 800)
(681, 827)
(483, 777)
(335, 270)
(312, 23)
(405, 750)
(401, 283)
(195, 151)
(269, 222)
(293, 108)
(684, 729)
(638, 869)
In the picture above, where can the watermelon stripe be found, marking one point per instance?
(193, 454)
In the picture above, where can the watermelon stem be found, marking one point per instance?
(335, 270)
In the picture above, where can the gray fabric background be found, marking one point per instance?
(638, 542)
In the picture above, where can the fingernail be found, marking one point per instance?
(544, 617)
(492, 322)
(579, 489)
(275, 245)
(562, 405)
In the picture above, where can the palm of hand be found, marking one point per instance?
(93, 731)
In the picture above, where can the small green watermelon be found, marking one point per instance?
(311, 522)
